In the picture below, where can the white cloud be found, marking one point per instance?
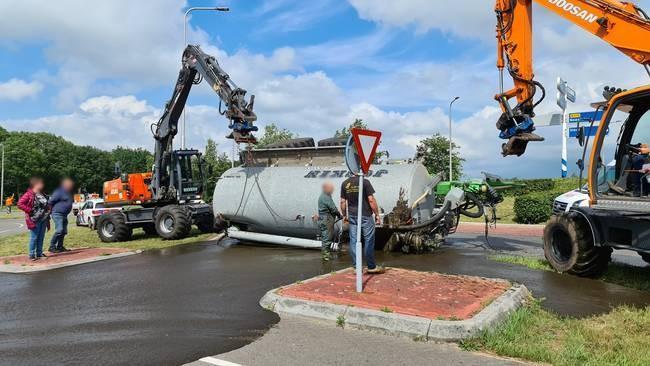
(15, 90)
(466, 20)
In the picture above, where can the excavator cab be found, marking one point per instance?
(189, 177)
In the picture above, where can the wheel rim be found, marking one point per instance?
(166, 224)
(108, 229)
(561, 244)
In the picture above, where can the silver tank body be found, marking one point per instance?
(283, 200)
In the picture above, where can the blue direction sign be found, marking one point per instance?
(585, 116)
(589, 131)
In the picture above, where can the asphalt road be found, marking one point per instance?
(178, 305)
(296, 341)
(11, 226)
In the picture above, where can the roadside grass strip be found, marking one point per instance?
(82, 237)
(535, 334)
(617, 273)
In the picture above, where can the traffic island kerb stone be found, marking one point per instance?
(393, 323)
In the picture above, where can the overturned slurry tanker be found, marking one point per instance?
(274, 198)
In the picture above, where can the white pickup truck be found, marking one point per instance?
(580, 197)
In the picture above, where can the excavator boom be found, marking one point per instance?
(623, 25)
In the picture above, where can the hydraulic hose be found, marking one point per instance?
(469, 198)
(437, 217)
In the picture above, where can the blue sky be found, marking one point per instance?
(98, 73)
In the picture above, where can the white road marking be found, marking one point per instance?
(218, 362)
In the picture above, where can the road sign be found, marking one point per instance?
(570, 94)
(366, 142)
(359, 157)
(586, 116)
(589, 131)
(561, 100)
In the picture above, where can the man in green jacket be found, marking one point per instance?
(327, 215)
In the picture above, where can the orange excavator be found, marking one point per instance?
(168, 200)
(580, 240)
(621, 24)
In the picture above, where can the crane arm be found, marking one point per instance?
(196, 67)
(621, 24)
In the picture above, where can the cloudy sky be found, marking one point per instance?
(99, 72)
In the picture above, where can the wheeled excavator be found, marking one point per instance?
(581, 240)
(168, 200)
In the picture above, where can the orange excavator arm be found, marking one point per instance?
(621, 24)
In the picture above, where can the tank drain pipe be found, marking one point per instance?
(235, 233)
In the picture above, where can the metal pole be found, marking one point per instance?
(565, 167)
(451, 145)
(359, 257)
(2, 178)
(187, 13)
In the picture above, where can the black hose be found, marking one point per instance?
(437, 217)
(471, 197)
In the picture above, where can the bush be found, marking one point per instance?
(532, 186)
(534, 208)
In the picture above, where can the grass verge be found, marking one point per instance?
(617, 273)
(532, 333)
(505, 213)
(80, 237)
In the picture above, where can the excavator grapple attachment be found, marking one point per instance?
(517, 144)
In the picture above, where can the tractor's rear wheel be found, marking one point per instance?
(569, 247)
(149, 229)
(206, 224)
(173, 222)
(112, 228)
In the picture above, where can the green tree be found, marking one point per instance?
(345, 131)
(216, 165)
(273, 134)
(132, 160)
(433, 152)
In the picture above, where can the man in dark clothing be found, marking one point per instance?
(350, 202)
(61, 205)
(327, 215)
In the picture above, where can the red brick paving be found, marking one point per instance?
(424, 294)
(56, 258)
(502, 229)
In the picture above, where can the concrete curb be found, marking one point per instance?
(397, 324)
(11, 268)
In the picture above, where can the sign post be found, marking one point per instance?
(565, 94)
(359, 155)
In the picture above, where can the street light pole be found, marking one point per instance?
(2, 178)
(187, 13)
(451, 145)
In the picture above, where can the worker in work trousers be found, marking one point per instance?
(327, 215)
(350, 202)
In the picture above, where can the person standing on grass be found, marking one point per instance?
(61, 204)
(37, 216)
(349, 203)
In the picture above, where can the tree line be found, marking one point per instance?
(52, 157)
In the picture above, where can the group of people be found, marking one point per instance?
(329, 214)
(39, 208)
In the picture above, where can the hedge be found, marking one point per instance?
(531, 186)
(535, 208)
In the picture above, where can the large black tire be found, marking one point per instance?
(206, 224)
(569, 247)
(173, 222)
(112, 228)
(149, 229)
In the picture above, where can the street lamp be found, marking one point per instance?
(187, 13)
(450, 143)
